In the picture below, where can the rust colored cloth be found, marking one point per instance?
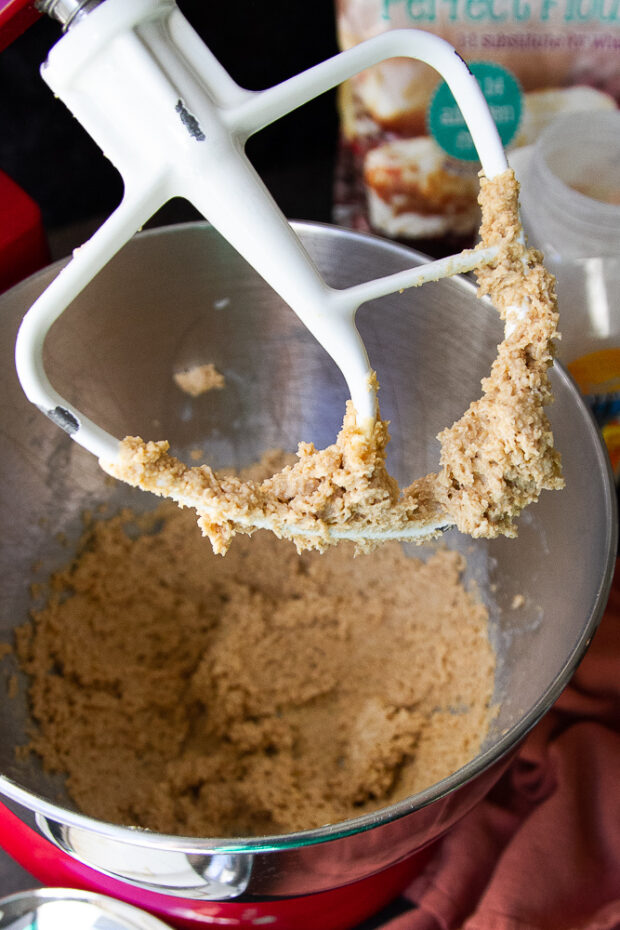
(542, 852)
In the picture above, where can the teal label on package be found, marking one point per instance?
(479, 12)
(504, 96)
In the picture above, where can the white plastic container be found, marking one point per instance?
(570, 199)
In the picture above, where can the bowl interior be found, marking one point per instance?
(178, 297)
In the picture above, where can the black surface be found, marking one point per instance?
(49, 154)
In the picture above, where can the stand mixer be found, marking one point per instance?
(340, 873)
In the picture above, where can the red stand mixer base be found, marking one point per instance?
(337, 909)
(23, 246)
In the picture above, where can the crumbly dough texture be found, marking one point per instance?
(263, 693)
(199, 379)
(494, 461)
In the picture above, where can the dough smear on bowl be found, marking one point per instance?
(494, 461)
(199, 379)
(262, 693)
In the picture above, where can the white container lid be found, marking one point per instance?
(64, 908)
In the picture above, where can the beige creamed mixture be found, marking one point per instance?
(261, 693)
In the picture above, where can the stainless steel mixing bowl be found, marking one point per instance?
(177, 297)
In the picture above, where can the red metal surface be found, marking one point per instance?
(15, 17)
(330, 910)
(23, 247)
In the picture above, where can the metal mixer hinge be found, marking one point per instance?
(66, 12)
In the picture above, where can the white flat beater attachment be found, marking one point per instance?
(174, 123)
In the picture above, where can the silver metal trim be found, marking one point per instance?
(66, 12)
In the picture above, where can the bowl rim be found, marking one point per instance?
(508, 740)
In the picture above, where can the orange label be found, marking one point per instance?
(598, 378)
(598, 372)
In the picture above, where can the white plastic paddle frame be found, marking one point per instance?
(164, 111)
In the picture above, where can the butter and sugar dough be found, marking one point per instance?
(495, 460)
(265, 692)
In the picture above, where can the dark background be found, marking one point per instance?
(260, 43)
